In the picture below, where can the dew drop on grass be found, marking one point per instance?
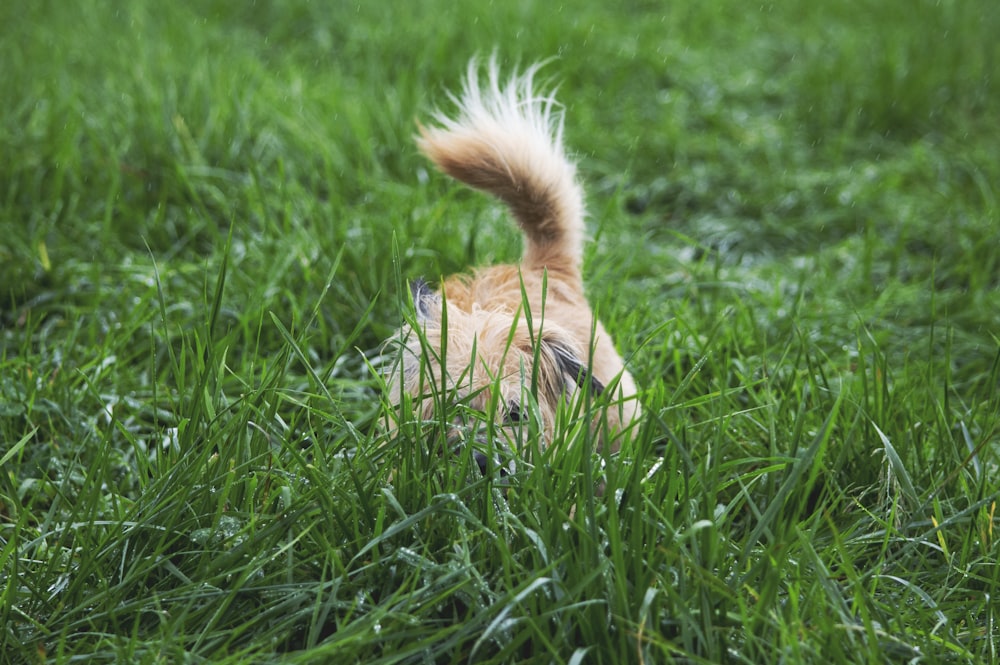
(229, 528)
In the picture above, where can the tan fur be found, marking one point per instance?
(506, 140)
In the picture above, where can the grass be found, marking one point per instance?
(209, 213)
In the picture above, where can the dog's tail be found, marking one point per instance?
(506, 139)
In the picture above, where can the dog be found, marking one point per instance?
(513, 341)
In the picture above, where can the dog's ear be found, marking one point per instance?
(425, 301)
(576, 373)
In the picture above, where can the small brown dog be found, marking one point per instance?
(514, 341)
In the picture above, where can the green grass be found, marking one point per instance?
(208, 214)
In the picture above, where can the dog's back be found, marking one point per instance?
(506, 139)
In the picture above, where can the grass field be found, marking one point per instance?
(209, 212)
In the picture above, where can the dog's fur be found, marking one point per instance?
(507, 140)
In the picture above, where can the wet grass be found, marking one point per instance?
(209, 213)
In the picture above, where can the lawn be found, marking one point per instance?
(209, 212)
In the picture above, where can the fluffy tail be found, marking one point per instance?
(507, 140)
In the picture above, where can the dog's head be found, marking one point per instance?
(491, 362)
